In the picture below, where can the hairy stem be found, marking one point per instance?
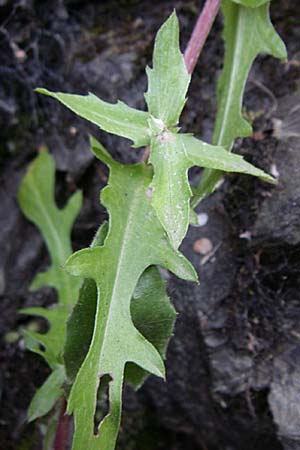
(200, 33)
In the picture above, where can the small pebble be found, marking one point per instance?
(274, 171)
(246, 235)
(202, 219)
(203, 246)
(73, 131)
(18, 52)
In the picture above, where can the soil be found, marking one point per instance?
(233, 366)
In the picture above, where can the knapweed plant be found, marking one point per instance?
(113, 318)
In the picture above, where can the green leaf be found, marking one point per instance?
(172, 155)
(116, 118)
(153, 315)
(47, 395)
(50, 344)
(168, 81)
(193, 218)
(80, 325)
(116, 268)
(247, 33)
(251, 3)
(151, 311)
(171, 189)
(36, 199)
(215, 157)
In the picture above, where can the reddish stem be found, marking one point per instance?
(191, 55)
(193, 49)
(200, 32)
(63, 429)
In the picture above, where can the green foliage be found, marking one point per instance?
(151, 312)
(169, 80)
(47, 395)
(50, 344)
(36, 199)
(118, 119)
(172, 155)
(251, 3)
(80, 327)
(247, 33)
(121, 324)
(153, 315)
(168, 83)
(116, 268)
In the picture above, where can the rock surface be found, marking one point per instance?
(233, 364)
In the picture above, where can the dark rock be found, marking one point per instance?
(284, 396)
(278, 218)
(246, 308)
(279, 215)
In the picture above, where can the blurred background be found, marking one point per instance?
(233, 367)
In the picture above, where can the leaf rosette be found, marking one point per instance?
(170, 154)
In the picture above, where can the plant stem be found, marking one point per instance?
(197, 40)
(200, 33)
(63, 428)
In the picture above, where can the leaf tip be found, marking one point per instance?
(194, 276)
(83, 263)
(161, 372)
(270, 179)
(100, 152)
(41, 90)
(31, 417)
(173, 15)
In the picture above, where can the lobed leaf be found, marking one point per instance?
(247, 32)
(36, 199)
(216, 157)
(50, 344)
(123, 318)
(172, 155)
(171, 189)
(80, 325)
(47, 395)
(151, 312)
(116, 267)
(168, 81)
(116, 118)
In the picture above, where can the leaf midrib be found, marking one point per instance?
(237, 50)
(139, 130)
(127, 126)
(52, 230)
(125, 240)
